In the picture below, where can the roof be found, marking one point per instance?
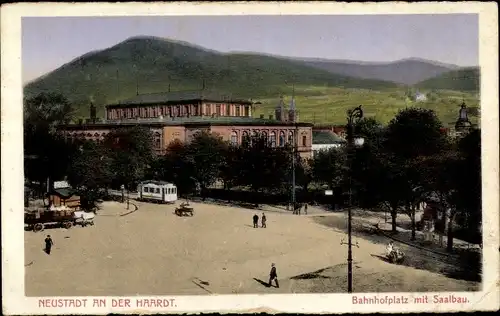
(64, 192)
(155, 182)
(179, 121)
(326, 137)
(179, 97)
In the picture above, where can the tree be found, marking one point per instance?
(205, 153)
(90, 172)
(365, 162)
(265, 166)
(175, 167)
(328, 167)
(47, 154)
(233, 164)
(45, 111)
(442, 176)
(469, 182)
(131, 154)
(413, 133)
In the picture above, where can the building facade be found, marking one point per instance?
(178, 116)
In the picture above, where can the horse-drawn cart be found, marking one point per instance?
(39, 219)
(184, 210)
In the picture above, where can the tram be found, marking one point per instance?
(159, 191)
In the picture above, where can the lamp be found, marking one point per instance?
(353, 117)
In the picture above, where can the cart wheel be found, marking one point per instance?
(67, 225)
(37, 227)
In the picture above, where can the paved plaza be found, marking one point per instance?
(217, 251)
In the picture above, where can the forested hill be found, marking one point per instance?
(152, 64)
(466, 79)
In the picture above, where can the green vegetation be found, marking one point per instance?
(466, 79)
(112, 74)
(155, 65)
(323, 105)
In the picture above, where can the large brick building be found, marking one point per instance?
(179, 115)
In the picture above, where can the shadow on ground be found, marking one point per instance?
(464, 264)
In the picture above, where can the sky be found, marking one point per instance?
(50, 42)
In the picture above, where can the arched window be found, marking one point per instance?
(234, 138)
(264, 135)
(290, 138)
(245, 139)
(157, 140)
(304, 140)
(272, 139)
(282, 139)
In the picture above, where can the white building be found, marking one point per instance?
(420, 97)
(325, 140)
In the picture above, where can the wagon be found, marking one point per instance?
(184, 210)
(40, 219)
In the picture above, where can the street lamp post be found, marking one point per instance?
(128, 198)
(294, 153)
(353, 117)
(122, 188)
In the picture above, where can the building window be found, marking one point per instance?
(245, 139)
(234, 138)
(247, 110)
(238, 110)
(217, 110)
(304, 141)
(157, 140)
(186, 110)
(282, 139)
(272, 139)
(264, 136)
(228, 110)
(290, 138)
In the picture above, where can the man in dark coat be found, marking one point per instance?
(255, 221)
(264, 219)
(48, 244)
(305, 208)
(273, 275)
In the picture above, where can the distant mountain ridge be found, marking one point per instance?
(147, 64)
(408, 71)
(150, 64)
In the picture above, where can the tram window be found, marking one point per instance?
(157, 190)
(146, 189)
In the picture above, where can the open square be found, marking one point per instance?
(217, 251)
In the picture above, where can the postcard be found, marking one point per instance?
(250, 157)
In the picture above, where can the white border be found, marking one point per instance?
(14, 301)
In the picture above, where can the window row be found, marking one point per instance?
(272, 138)
(157, 190)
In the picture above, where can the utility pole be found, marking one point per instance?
(353, 116)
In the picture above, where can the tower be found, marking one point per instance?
(293, 115)
(463, 123)
(93, 116)
(279, 111)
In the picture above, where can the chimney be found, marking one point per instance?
(92, 113)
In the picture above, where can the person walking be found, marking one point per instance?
(264, 219)
(48, 244)
(255, 221)
(273, 276)
(305, 208)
